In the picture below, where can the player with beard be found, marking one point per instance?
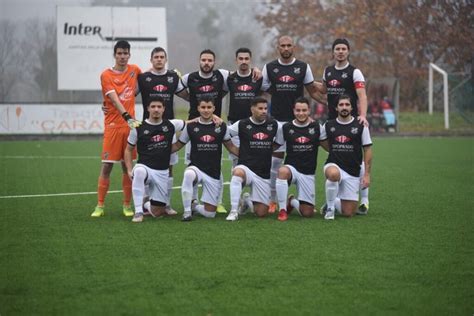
(285, 79)
(153, 140)
(164, 83)
(206, 140)
(243, 88)
(349, 142)
(208, 82)
(344, 78)
(302, 137)
(259, 136)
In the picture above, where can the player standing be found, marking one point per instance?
(164, 83)
(119, 86)
(349, 143)
(302, 137)
(243, 88)
(285, 79)
(344, 78)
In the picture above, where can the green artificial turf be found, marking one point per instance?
(412, 254)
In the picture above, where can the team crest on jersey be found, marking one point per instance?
(248, 126)
(196, 129)
(214, 78)
(354, 130)
(269, 127)
(332, 129)
(236, 80)
(329, 74)
(276, 70)
(218, 129)
(165, 129)
(291, 131)
(344, 75)
(146, 132)
(170, 79)
(297, 70)
(311, 131)
(148, 79)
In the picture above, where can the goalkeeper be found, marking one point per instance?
(119, 86)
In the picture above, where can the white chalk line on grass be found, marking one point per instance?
(67, 194)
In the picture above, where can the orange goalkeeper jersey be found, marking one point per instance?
(124, 84)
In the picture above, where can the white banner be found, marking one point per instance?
(86, 36)
(28, 119)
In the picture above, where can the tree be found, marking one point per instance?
(10, 65)
(397, 38)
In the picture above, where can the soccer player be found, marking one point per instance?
(153, 140)
(119, 86)
(206, 140)
(285, 79)
(243, 88)
(259, 136)
(302, 137)
(349, 142)
(164, 83)
(208, 82)
(344, 78)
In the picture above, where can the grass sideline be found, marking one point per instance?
(412, 254)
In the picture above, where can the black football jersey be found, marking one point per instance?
(340, 81)
(206, 146)
(198, 87)
(287, 84)
(345, 144)
(164, 86)
(302, 146)
(242, 90)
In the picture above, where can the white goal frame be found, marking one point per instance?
(445, 92)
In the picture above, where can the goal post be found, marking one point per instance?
(445, 93)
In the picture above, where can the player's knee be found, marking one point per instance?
(139, 173)
(284, 173)
(238, 173)
(332, 174)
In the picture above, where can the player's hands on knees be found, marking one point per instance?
(365, 183)
(363, 120)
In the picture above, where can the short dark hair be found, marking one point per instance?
(157, 50)
(207, 51)
(302, 100)
(341, 41)
(157, 99)
(206, 98)
(243, 50)
(121, 44)
(258, 100)
(344, 97)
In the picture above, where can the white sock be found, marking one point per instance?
(281, 186)
(337, 206)
(201, 210)
(364, 193)
(138, 188)
(276, 164)
(235, 192)
(170, 191)
(221, 191)
(195, 192)
(295, 203)
(147, 206)
(187, 189)
(332, 188)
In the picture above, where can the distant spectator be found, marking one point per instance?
(375, 116)
(388, 114)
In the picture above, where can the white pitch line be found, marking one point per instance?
(67, 194)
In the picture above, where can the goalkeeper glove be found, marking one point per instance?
(132, 123)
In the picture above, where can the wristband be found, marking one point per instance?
(126, 116)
